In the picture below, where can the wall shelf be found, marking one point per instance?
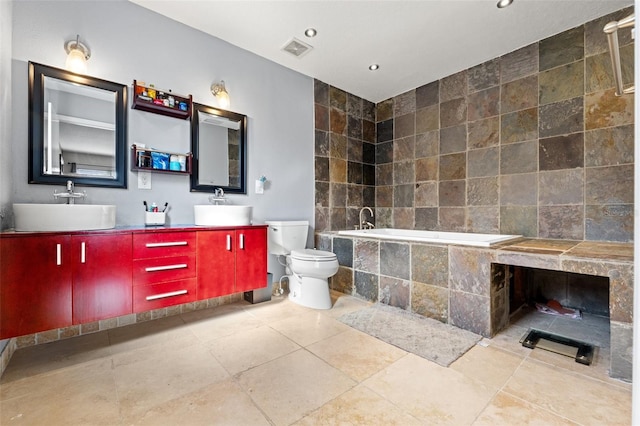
(163, 102)
(142, 159)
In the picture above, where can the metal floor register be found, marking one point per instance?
(582, 352)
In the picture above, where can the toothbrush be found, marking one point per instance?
(165, 207)
(146, 208)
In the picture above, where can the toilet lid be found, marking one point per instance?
(311, 254)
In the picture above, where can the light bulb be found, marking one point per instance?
(76, 62)
(223, 99)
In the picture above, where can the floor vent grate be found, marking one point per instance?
(582, 352)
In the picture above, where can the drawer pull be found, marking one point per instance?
(83, 256)
(58, 254)
(228, 242)
(167, 244)
(241, 241)
(166, 267)
(163, 295)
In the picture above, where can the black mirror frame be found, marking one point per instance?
(37, 72)
(197, 187)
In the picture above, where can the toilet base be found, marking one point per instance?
(311, 292)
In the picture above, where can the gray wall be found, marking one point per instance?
(5, 113)
(129, 42)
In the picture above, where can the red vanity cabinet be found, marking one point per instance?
(101, 276)
(164, 269)
(230, 261)
(251, 259)
(35, 284)
(54, 280)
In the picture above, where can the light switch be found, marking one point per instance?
(144, 180)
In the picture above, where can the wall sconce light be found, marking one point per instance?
(77, 56)
(219, 91)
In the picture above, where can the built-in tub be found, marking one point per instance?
(461, 238)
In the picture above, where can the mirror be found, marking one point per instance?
(77, 129)
(218, 145)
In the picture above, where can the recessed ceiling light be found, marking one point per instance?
(504, 3)
(373, 67)
(310, 32)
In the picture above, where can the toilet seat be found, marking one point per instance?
(314, 255)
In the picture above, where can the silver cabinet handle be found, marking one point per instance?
(167, 244)
(58, 254)
(228, 242)
(163, 295)
(83, 256)
(165, 267)
(241, 241)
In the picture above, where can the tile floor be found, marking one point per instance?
(277, 363)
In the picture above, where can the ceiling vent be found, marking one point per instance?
(297, 48)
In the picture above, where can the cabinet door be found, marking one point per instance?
(215, 263)
(251, 259)
(35, 284)
(101, 277)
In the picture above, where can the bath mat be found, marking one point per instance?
(425, 337)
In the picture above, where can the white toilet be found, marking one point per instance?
(308, 270)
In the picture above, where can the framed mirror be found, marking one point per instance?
(219, 147)
(77, 129)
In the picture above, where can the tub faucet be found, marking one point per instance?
(70, 193)
(363, 223)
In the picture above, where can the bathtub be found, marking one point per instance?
(461, 238)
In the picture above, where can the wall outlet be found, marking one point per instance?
(144, 180)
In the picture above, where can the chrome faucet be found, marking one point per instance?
(217, 197)
(363, 223)
(70, 195)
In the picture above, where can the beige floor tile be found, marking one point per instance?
(250, 348)
(505, 409)
(52, 356)
(431, 393)
(599, 368)
(239, 364)
(50, 381)
(581, 399)
(294, 385)
(358, 406)
(489, 365)
(357, 354)
(91, 399)
(277, 309)
(210, 324)
(309, 327)
(145, 383)
(144, 353)
(147, 334)
(222, 403)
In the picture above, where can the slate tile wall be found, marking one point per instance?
(533, 143)
(345, 157)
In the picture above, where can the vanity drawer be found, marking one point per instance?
(163, 244)
(156, 270)
(155, 296)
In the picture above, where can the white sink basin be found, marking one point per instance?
(222, 215)
(63, 217)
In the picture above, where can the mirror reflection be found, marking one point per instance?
(218, 145)
(76, 115)
(78, 128)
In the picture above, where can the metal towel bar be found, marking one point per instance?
(611, 29)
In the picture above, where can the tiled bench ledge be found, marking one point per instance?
(468, 286)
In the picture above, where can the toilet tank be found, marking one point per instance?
(284, 236)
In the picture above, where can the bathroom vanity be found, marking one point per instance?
(54, 280)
